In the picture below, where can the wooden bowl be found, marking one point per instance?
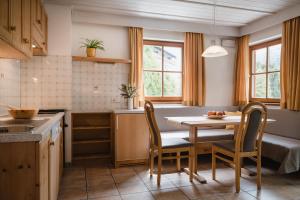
(25, 113)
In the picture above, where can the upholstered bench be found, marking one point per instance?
(205, 136)
(281, 141)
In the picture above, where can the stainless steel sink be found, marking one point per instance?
(6, 129)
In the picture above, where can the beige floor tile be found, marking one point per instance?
(128, 178)
(164, 184)
(123, 170)
(74, 173)
(130, 188)
(92, 172)
(211, 197)
(102, 191)
(138, 196)
(276, 193)
(196, 191)
(239, 196)
(72, 182)
(107, 198)
(100, 180)
(169, 194)
(72, 194)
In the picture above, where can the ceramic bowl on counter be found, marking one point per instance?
(23, 113)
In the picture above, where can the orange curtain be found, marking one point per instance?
(194, 70)
(136, 69)
(290, 65)
(241, 71)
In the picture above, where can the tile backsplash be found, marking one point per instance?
(96, 86)
(46, 82)
(9, 83)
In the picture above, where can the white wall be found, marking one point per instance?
(163, 35)
(115, 39)
(219, 73)
(59, 30)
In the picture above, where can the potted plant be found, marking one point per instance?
(128, 92)
(91, 46)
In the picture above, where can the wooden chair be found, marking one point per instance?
(247, 142)
(162, 148)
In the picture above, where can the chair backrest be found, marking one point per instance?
(153, 128)
(253, 121)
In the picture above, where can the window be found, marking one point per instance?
(265, 72)
(163, 70)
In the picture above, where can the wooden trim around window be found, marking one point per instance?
(255, 47)
(165, 99)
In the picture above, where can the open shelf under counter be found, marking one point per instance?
(90, 127)
(101, 60)
(91, 141)
(91, 156)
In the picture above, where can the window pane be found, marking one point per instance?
(259, 86)
(152, 57)
(172, 59)
(274, 85)
(274, 57)
(153, 83)
(260, 58)
(172, 84)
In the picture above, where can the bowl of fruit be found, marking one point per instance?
(216, 114)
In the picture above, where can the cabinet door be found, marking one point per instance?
(17, 170)
(5, 10)
(16, 23)
(54, 163)
(26, 27)
(44, 29)
(43, 170)
(132, 138)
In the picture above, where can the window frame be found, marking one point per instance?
(166, 99)
(253, 48)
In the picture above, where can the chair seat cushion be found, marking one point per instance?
(227, 145)
(203, 135)
(174, 143)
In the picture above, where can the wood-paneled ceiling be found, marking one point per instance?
(228, 12)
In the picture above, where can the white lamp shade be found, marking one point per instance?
(214, 51)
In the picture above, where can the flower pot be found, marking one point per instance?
(90, 52)
(130, 103)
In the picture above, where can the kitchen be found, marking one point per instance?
(80, 120)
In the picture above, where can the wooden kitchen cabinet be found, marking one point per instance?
(54, 167)
(131, 139)
(43, 169)
(31, 170)
(17, 170)
(39, 28)
(22, 24)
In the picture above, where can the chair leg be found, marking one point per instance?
(178, 161)
(237, 173)
(213, 163)
(151, 162)
(258, 166)
(191, 158)
(159, 168)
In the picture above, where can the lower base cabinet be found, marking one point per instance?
(31, 170)
(131, 139)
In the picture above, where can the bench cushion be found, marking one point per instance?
(203, 135)
(174, 143)
(283, 150)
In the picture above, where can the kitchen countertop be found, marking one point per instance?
(126, 111)
(37, 134)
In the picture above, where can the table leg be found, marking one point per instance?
(193, 140)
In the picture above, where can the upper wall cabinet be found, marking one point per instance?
(23, 24)
(39, 28)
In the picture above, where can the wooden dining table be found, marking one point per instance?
(195, 122)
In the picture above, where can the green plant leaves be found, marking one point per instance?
(128, 91)
(97, 44)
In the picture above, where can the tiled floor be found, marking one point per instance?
(134, 183)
